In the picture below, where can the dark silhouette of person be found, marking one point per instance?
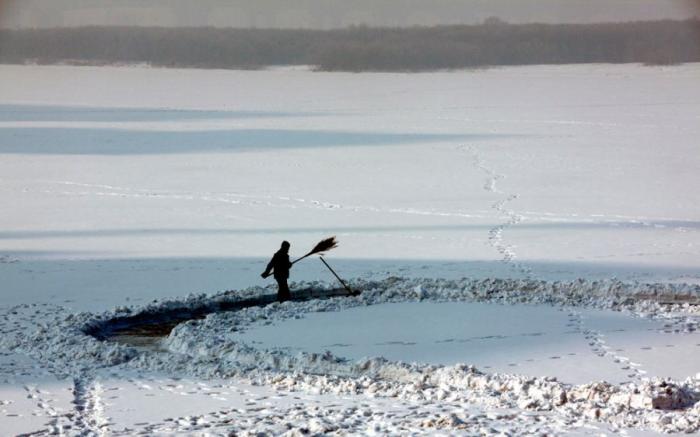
(280, 265)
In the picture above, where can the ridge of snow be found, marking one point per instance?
(199, 347)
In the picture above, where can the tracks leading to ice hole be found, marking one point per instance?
(599, 346)
(511, 217)
(89, 416)
(594, 338)
(86, 418)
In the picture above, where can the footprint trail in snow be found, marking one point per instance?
(501, 207)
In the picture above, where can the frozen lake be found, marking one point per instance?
(120, 185)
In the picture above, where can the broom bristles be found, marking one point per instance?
(324, 245)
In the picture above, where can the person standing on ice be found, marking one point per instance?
(280, 265)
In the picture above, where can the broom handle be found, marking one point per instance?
(295, 261)
(299, 259)
(336, 275)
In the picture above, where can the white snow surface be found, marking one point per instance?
(536, 340)
(129, 189)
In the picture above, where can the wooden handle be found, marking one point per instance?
(336, 275)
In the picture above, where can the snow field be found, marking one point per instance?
(121, 186)
(584, 172)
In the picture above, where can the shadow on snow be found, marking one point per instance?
(79, 141)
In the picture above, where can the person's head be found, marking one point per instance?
(285, 246)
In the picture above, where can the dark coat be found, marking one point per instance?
(280, 265)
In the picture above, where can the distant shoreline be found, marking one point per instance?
(314, 70)
(359, 49)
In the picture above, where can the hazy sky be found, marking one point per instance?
(329, 13)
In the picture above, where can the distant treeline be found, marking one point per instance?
(361, 48)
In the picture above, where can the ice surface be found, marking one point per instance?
(531, 340)
(119, 186)
(584, 172)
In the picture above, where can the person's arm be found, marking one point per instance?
(266, 273)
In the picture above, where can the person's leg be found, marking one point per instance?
(287, 295)
(282, 290)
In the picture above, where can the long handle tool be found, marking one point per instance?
(353, 293)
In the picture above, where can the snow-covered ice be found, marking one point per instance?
(531, 340)
(121, 186)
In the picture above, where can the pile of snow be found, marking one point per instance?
(210, 348)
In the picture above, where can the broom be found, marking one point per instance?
(322, 246)
(325, 246)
